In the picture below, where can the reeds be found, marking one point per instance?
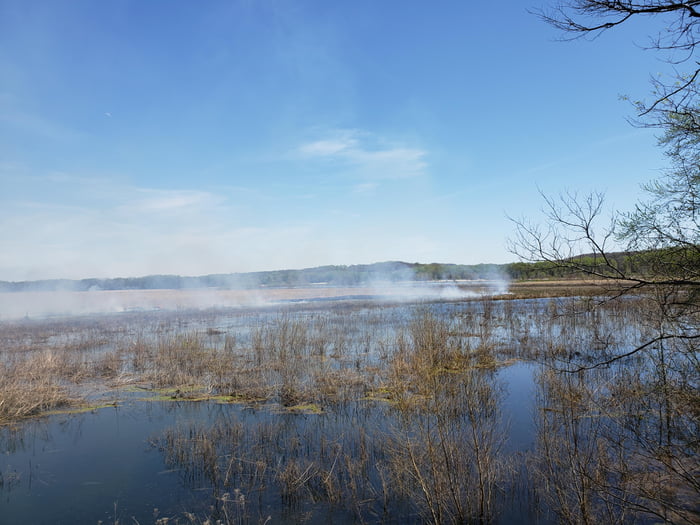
(33, 385)
(390, 411)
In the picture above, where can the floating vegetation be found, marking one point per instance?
(361, 412)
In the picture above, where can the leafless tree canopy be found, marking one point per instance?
(662, 233)
(589, 17)
(677, 38)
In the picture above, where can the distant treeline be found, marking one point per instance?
(392, 271)
(679, 262)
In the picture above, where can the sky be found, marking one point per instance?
(179, 137)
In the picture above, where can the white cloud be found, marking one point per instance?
(155, 201)
(365, 187)
(322, 148)
(367, 156)
(63, 225)
(110, 229)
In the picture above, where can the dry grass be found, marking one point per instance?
(561, 288)
(32, 386)
(429, 371)
(323, 358)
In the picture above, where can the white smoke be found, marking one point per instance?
(400, 283)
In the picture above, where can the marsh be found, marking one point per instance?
(473, 409)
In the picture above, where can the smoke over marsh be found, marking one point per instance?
(388, 281)
(15, 305)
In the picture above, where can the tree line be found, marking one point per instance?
(641, 264)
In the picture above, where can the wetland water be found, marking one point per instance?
(336, 411)
(81, 468)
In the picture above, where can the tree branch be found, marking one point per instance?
(663, 337)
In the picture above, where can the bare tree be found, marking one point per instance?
(647, 409)
(676, 41)
(661, 236)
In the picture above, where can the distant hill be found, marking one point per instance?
(630, 263)
(358, 274)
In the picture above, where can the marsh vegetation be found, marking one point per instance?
(479, 411)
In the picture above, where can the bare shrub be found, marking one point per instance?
(445, 456)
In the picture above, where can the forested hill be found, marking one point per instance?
(392, 271)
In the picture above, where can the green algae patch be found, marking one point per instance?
(216, 398)
(239, 398)
(194, 394)
(133, 388)
(181, 393)
(80, 409)
(157, 395)
(379, 399)
(306, 408)
(383, 394)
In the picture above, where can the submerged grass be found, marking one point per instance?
(291, 358)
(81, 409)
(391, 410)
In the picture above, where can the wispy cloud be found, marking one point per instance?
(155, 201)
(365, 187)
(111, 228)
(326, 148)
(367, 155)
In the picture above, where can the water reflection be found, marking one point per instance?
(434, 412)
(234, 462)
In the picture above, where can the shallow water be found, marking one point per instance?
(103, 465)
(74, 469)
(108, 465)
(144, 460)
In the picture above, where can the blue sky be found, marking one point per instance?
(223, 136)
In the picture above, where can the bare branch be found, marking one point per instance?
(632, 352)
